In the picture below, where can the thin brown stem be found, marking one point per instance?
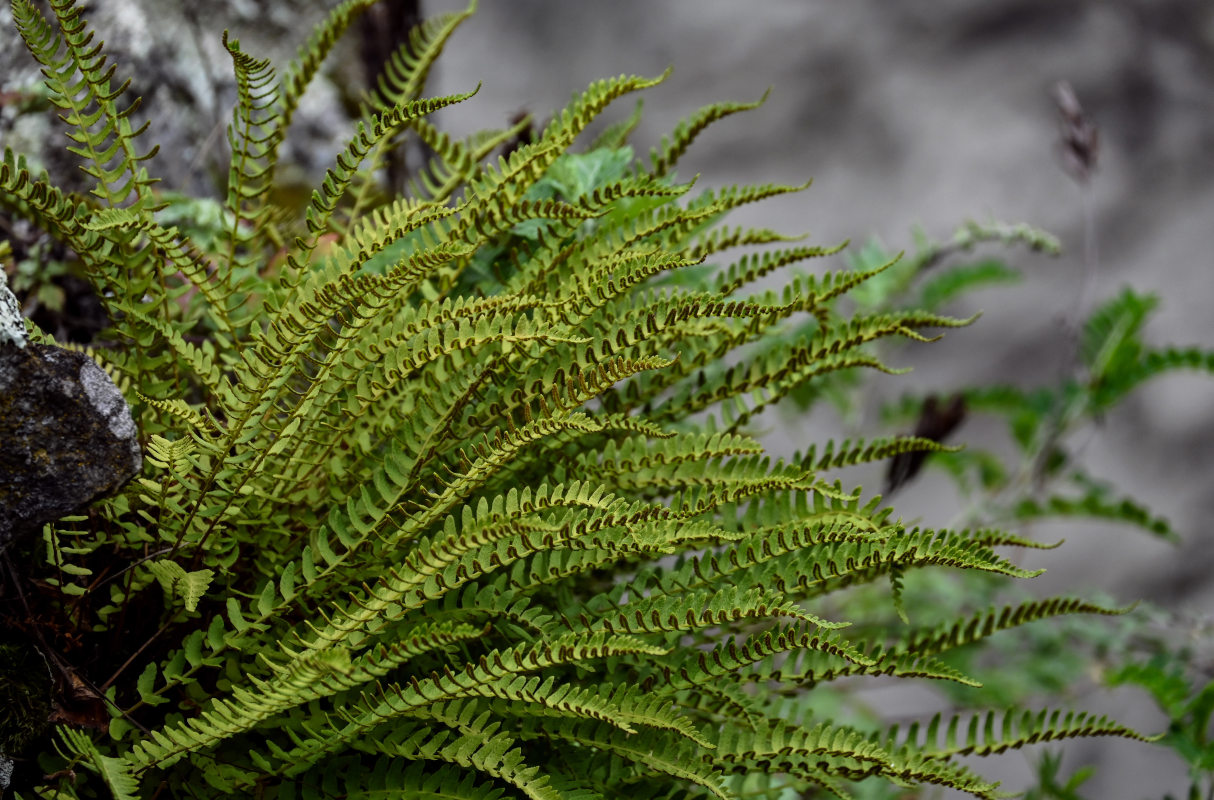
(135, 655)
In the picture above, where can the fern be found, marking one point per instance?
(454, 497)
(79, 84)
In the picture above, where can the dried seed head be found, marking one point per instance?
(1080, 138)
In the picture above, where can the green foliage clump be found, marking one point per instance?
(1186, 696)
(1043, 476)
(452, 495)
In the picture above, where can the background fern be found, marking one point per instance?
(455, 492)
(1047, 478)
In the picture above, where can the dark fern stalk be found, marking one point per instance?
(1080, 151)
(456, 496)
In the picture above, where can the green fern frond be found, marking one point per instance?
(952, 283)
(995, 732)
(80, 85)
(841, 753)
(986, 623)
(177, 583)
(1114, 384)
(675, 145)
(299, 73)
(116, 775)
(849, 453)
(405, 72)
(750, 268)
(1097, 505)
(655, 755)
(35, 198)
(1110, 335)
(367, 137)
(253, 143)
(485, 752)
(565, 126)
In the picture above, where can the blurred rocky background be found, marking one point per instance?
(912, 113)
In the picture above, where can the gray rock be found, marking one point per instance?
(174, 56)
(12, 326)
(66, 436)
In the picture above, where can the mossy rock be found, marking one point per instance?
(25, 695)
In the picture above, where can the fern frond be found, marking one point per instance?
(177, 583)
(673, 146)
(1113, 385)
(1096, 504)
(38, 199)
(491, 753)
(842, 753)
(396, 701)
(750, 268)
(338, 177)
(1110, 335)
(642, 748)
(117, 776)
(405, 72)
(995, 732)
(849, 453)
(565, 126)
(299, 73)
(297, 683)
(79, 83)
(253, 143)
(987, 623)
(954, 282)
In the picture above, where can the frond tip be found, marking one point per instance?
(996, 732)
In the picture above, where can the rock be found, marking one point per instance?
(66, 436)
(12, 326)
(174, 56)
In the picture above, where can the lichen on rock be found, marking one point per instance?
(12, 325)
(66, 436)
